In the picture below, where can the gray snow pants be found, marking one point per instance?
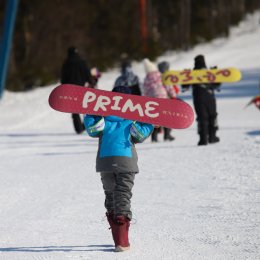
(118, 192)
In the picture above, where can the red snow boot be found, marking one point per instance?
(110, 219)
(121, 229)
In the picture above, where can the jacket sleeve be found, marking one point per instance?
(140, 131)
(94, 125)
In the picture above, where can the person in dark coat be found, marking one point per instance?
(205, 106)
(75, 71)
(128, 78)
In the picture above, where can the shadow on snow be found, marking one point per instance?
(43, 249)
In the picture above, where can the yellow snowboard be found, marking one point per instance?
(186, 77)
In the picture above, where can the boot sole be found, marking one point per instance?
(122, 248)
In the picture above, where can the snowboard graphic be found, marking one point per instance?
(170, 113)
(201, 76)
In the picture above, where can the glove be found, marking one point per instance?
(138, 133)
(96, 126)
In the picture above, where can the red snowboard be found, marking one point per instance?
(170, 113)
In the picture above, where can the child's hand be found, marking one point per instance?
(136, 132)
(94, 125)
(140, 131)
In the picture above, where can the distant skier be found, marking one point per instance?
(96, 75)
(75, 71)
(172, 92)
(205, 106)
(153, 87)
(117, 163)
(128, 78)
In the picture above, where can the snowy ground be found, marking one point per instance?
(189, 202)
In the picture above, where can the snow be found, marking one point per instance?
(188, 202)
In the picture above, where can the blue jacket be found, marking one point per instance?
(116, 150)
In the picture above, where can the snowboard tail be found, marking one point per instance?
(171, 113)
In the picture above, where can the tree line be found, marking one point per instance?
(104, 30)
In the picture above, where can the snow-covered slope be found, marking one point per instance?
(189, 202)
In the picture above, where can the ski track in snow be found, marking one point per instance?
(189, 202)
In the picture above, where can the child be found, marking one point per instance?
(153, 87)
(128, 78)
(117, 164)
(172, 92)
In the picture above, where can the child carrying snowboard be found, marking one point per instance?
(117, 164)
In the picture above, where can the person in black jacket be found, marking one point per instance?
(205, 106)
(128, 78)
(75, 71)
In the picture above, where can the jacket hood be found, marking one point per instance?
(199, 62)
